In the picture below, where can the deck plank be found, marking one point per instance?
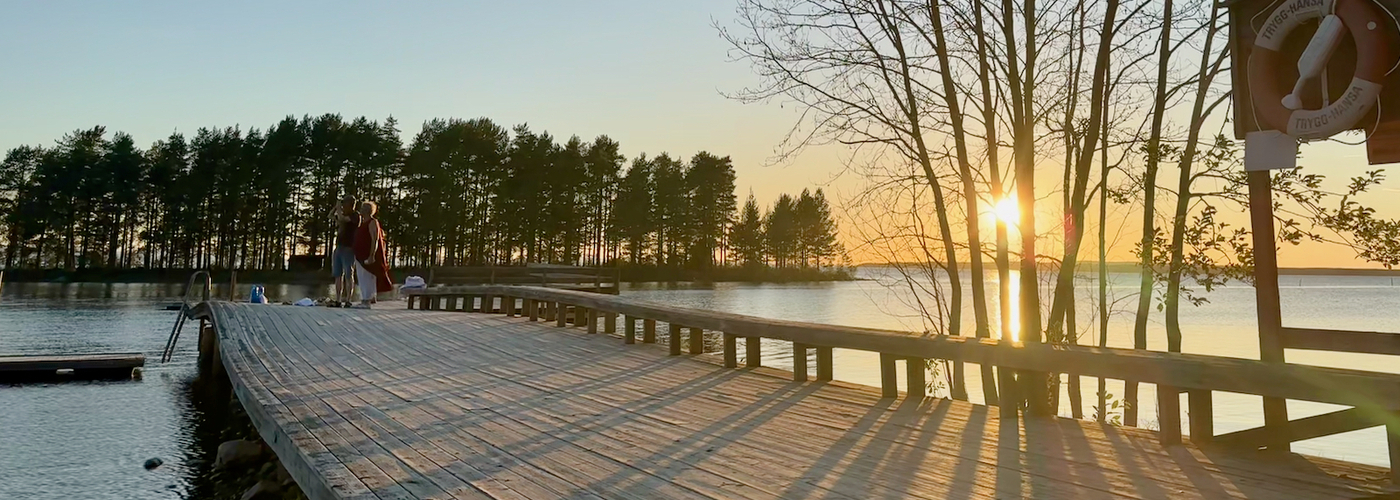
(427, 404)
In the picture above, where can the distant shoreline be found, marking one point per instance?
(1132, 267)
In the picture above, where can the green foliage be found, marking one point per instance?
(462, 192)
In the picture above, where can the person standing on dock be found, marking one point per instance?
(370, 258)
(347, 220)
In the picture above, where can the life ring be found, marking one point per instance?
(1370, 29)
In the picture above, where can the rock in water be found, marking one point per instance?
(153, 463)
(238, 453)
(264, 490)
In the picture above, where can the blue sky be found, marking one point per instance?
(650, 74)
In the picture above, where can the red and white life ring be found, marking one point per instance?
(1370, 29)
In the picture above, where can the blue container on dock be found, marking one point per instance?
(257, 297)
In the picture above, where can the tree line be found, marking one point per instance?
(460, 193)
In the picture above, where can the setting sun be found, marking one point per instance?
(1006, 211)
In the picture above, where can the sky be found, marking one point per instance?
(650, 74)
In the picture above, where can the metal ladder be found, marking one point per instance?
(184, 312)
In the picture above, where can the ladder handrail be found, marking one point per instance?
(184, 310)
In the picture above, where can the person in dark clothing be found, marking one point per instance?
(347, 219)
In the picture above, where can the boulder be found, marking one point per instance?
(281, 475)
(238, 453)
(152, 463)
(264, 490)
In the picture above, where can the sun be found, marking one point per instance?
(1007, 211)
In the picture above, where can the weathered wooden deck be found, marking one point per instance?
(424, 404)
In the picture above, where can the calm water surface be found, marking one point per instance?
(89, 439)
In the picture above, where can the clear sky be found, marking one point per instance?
(648, 73)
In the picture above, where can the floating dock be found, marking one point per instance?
(74, 366)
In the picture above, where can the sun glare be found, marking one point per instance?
(1006, 211)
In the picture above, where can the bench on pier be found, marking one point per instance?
(1373, 396)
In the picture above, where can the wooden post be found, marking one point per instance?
(1168, 415)
(824, 371)
(674, 339)
(648, 331)
(1202, 415)
(488, 304)
(610, 322)
(592, 320)
(915, 369)
(548, 311)
(799, 362)
(532, 308)
(889, 387)
(731, 350)
(629, 327)
(697, 340)
(1010, 396)
(508, 306)
(753, 355)
(411, 299)
(1261, 215)
(561, 314)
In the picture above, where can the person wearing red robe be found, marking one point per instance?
(371, 262)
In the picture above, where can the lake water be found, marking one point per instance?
(89, 439)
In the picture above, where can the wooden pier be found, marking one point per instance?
(539, 395)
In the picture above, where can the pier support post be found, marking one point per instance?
(889, 387)
(629, 327)
(610, 322)
(731, 351)
(697, 340)
(561, 314)
(824, 371)
(508, 306)
(549, 311)
(673, 339)
(917, 384)
(592, 321)
(753, 352)
(1168, 415)
(532, 308)
(799, 362)
(648, 331)
(1202, 415)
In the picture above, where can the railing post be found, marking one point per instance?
(1393, 442)
(915, 369)
(1202, 415)
(824, 371)
(799, 362)
(1168, 415)
(889, 387)
(610, 322)
(410, 300)
(673, 340)
(592, 320)
(648, 331)
(532, 308)
(488, 304)
(697, 340)
(561, 314)
(629, 327)
(436, 303)
(753, 355)
(731, 350)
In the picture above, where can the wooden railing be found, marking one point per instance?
(593, 279)
(1375, 396)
